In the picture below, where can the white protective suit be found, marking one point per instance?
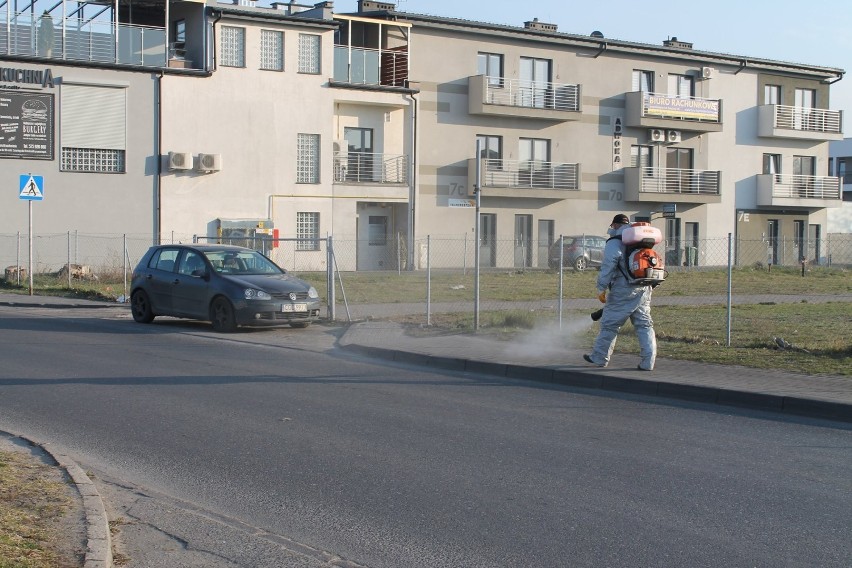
(623, 301)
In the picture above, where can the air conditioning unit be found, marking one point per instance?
(209, 162)
(672, 136)
(180, 161)
(707, 72)
(657, 135)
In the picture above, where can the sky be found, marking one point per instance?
(813, 33)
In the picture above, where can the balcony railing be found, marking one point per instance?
(82, 40)
(532, 94)
(362, 167)
(530, 174)
(678, 180)
(810, 119)
(362, 66)
(805, 187)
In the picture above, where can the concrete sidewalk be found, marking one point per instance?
(539, 356)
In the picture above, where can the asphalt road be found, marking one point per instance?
(272, 448)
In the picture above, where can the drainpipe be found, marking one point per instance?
(218, 16)
(159, 179)
(743, 64)
(604, 46)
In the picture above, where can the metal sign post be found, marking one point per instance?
(31, 189)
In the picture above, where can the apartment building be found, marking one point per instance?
(574, 128)
(293, 121)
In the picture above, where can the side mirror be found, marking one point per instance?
(200, 273)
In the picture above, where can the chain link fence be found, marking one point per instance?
(381, 278)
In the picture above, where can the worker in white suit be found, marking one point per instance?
(622, 301)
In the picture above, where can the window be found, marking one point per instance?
(681, 85)
(772, 163)
(643, 81)
(271, 50)
(844, 170)
(491, 148)
(93, 125)
(307, 230)
(377, 230)
(180, 31)
(533, 152)
(534, 88)
(233, 46)
(191, 263)
(490, 65)
(309, 53)
(360, 159)
(772, 94)
(307, 158)
(641, 156)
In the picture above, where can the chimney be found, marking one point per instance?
(539, 26)
(673, 42)
(373, 6)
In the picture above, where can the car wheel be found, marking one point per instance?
(140, 307)
(581, 263)
(300, 324)
(222, 315)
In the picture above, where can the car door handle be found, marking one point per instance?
(176, 281)
(149, 276)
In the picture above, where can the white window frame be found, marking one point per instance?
(233, 47)
(310, 54)
(272, 50)
(307, 158)
(307, 230)
(643, 81)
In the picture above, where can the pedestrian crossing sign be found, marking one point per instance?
(32, 187)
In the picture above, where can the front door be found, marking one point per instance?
(523, 241)
(673, 242)
(773, 229)
(375, 239)
(189, 296)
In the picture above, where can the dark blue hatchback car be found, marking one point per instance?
(226, 285)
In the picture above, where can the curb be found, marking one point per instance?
(98, 539)
(31, 304)
(791, 405)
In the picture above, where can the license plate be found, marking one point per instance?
(294, 308)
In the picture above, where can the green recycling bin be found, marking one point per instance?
(691, 256)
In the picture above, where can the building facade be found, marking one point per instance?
(212, 120)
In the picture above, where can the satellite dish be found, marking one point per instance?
(597, 34)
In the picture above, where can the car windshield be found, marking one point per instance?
(241, 262)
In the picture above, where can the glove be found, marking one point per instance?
(602, 297)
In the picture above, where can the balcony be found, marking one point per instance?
(495, 96)
(375, 67)
(73, 39)
(799, 123)
(810, 192)
(370, 169)
(512, 178)
(673, 185)
(691, 114)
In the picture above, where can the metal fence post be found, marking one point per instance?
(561, 276)
(329, 277)
(428, 279)
(730, 277)
(18, 257)
(477, 190)
(68, 266)
(124, 263)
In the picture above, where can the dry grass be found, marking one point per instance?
(32, 501)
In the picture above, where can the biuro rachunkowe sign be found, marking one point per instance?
(682, 107)
(26, 125)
